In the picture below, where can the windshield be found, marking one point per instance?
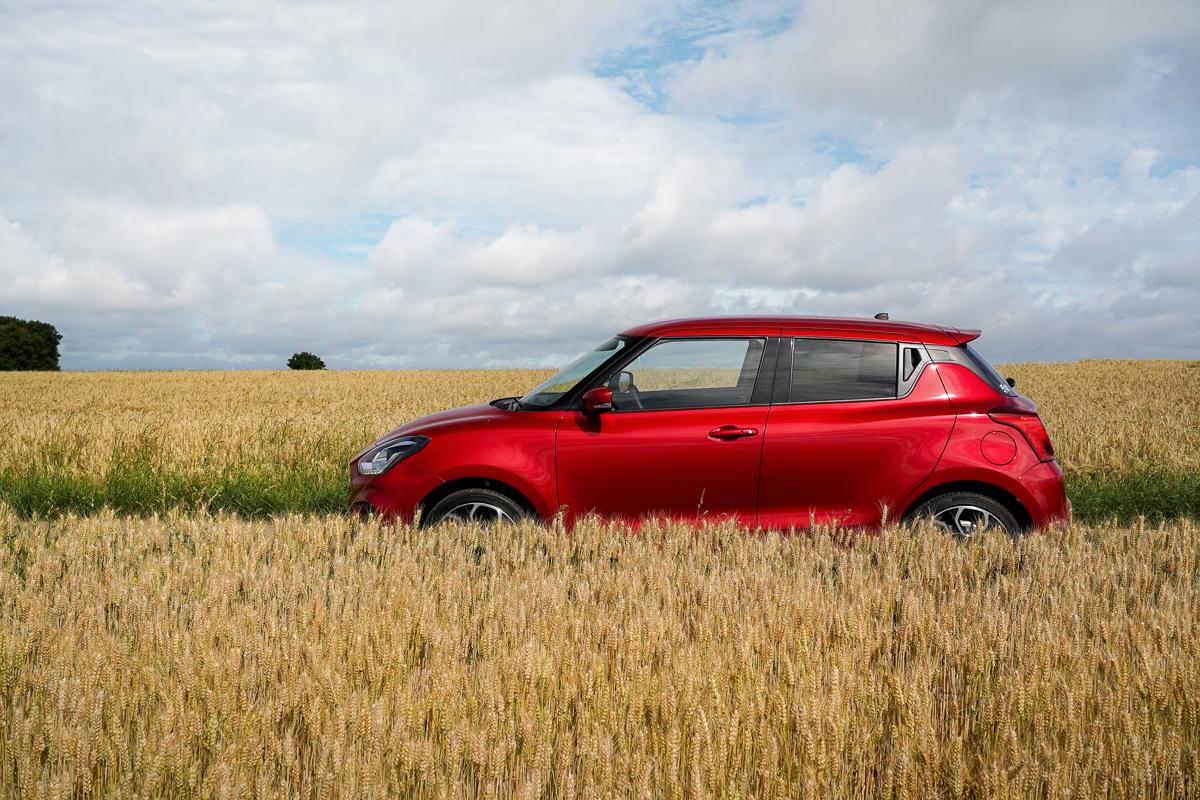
(550, 392)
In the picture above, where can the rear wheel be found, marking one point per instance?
(483, 506)
(964, 514)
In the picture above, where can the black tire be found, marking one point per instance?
(963, 514)
(484, 506)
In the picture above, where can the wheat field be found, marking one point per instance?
(320, 657)
(263, 443)
(170, 626)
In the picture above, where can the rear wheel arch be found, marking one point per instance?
(997, 493)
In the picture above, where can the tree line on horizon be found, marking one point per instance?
(28, 345)
(32, 346)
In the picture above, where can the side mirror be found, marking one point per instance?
(597, 401)
(1012, 382)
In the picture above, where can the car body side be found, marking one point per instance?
(899, 451)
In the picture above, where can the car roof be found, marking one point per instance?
(833, 327)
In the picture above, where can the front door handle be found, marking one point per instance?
(726, 433)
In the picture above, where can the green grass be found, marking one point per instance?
(1154, 494)
(138, 484)
(248, 493)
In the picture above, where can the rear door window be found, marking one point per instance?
(828, 370)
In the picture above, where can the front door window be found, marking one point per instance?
(689, 373)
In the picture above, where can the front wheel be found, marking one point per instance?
(964, 514)
(483, 506)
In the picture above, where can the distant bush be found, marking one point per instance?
(305, 360)
(28, 345)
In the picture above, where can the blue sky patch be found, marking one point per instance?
(342, 240)
(843, 150)
(644, 70)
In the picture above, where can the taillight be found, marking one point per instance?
(1031, 427)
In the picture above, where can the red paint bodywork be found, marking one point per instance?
(661, 463)
(848, 462)
(785, 466)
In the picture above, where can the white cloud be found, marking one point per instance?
(37, 279)
(411, 248)
(921, 60)
(526, 255)
(170, 250)
(471, 193)
(567, 150)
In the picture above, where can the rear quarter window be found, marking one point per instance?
(986, 370)
(969, 357)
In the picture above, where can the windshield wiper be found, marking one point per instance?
(507, 403)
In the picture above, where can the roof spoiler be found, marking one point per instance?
(962, 336)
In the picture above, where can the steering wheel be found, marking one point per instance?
(629, 390)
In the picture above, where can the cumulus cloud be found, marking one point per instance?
(174, 252)
(41, 280)
(526, 255)
(411, 248)
(453, 185)
(856, 227)
(920, 61)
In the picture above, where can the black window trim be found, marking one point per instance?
(783, 371)
(573, 398)
(966, 356)
(906, 385)
(760, 395)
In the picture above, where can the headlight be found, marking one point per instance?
(380, 458)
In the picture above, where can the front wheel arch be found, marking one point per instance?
(1000, 495)
(450, 487)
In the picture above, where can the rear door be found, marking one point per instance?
(856, 425)
(684, 440)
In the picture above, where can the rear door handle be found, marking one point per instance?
(728, 432)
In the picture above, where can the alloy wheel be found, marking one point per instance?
(483, 513)
(966, 520)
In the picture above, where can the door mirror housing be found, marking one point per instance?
(597, 401)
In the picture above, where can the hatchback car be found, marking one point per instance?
(777, 422)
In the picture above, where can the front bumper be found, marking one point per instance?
(394, 495)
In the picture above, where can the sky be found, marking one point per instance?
(459, 184)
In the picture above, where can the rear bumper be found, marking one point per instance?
(1046, 495)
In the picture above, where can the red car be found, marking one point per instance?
(778, 422)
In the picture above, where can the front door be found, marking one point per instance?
(684, 440)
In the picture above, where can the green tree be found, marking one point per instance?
(28, 345)
(305, 360)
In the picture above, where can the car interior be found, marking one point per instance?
(691, 373)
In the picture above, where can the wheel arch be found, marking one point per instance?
(997, 493)
(444, 490)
